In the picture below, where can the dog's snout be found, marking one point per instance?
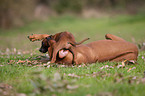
(42, 50)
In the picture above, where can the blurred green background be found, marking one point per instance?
(83, 18)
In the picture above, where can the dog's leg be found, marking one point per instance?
(74, 55)
(128, 56)
(36, 37)
(113, 37)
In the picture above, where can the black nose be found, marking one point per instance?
(28, 36)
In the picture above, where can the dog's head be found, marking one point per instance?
(46, 44)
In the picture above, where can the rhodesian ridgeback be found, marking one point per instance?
(63, 40)
(112, 49)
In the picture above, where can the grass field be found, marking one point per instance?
(21, 71)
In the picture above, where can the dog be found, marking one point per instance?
(48, 45)
(112, 49)
(63, 40)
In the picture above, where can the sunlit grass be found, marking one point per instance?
(19, 76)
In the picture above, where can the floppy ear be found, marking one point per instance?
(50, 40)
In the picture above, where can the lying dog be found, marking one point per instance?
(63, 40)
(48, 45)
(112, 49)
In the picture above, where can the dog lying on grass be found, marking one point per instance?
(112, 49)
(63, 40)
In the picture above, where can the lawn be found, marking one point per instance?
(22, 73)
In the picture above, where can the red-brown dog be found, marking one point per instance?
(63, 40)
(115, 49)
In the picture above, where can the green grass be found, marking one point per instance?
(19, 76)
(91, 79)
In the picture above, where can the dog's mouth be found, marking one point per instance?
(63, 53)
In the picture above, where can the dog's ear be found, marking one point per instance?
(49, 38)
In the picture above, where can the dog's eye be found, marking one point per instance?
(68, 42)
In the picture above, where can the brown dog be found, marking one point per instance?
(63, 40)
(115, 49)
(62, 58)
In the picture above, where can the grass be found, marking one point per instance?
(19, 76)
(34, 78)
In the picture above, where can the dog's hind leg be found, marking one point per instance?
(127, 56)
(113, 37)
